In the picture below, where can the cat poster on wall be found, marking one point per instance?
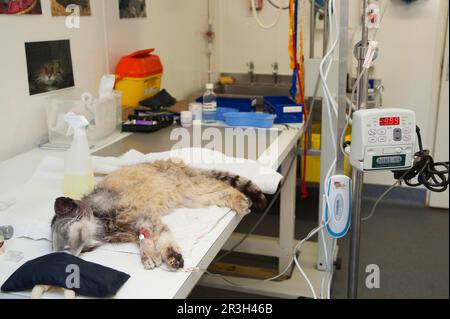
(19, 7)
(132, 9)
(49, 65)
(59, 7)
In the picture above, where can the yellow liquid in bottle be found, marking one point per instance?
(76, 186)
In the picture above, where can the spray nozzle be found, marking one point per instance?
(77, 123)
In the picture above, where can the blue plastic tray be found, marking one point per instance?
(249, 119)
(221, 111)
(282, 107)
(242, 104)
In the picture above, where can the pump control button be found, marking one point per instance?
(382, 139)
(407, 130)
(372, 132)
(398, 134)
(382, 131)
(407, 138)
(372, 139)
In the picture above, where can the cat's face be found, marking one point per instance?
(50, 74)
(73, 225)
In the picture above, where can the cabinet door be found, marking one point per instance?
(441, 152)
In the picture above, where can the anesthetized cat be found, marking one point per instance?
(127, 206)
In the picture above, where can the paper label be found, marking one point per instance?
(292, 109)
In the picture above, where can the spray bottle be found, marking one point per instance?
(78, 173)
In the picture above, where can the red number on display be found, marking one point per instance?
(386, 121)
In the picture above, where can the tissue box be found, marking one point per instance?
(104, 116)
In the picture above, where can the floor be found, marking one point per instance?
(409, 243)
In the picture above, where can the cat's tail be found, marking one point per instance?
(244, 185)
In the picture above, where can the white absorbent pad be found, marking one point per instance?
(31, 205)
(266, 178)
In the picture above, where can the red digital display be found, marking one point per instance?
(388, 121)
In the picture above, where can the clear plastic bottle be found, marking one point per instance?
(209, 104)
(78, 173)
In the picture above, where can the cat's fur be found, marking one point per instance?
(50, 75)
(132, 200)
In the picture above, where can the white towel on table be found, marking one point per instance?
(266, 178)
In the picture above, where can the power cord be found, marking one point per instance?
(277, 6)
(424, 169)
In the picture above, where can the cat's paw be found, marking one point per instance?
(174, 259)
(240, 204)
(150, 261)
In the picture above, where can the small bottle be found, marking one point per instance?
(209, 104)
(7, 232)
(78, 172)
(2, 244)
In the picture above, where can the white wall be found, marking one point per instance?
(411, 47)
(412, 42)
(175, 28)
(22, 117)
(241, 40)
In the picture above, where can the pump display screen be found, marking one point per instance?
(388, 121)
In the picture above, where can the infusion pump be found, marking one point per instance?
(383, 139)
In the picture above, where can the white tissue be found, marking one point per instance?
(106, 85)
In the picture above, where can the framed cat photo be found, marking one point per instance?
(20, 7)
(59, 7)
(49, 66)
(129, 9)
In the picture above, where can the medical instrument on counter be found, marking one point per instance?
(209, 104)
(7, 232)
(186, 118)
(78, 172)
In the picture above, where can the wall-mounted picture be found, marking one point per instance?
(19, 7)
(59, 7)
(132, 9)
(49, 65)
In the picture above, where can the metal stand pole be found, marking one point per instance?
(312, 29)
(358, 177)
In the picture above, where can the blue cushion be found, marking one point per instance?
(52, 270)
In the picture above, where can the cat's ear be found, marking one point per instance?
(65, 207)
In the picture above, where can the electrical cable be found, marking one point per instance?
(277, 6)
(425, 170)
(372, 211)
(258, 21)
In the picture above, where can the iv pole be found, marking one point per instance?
(358, 177)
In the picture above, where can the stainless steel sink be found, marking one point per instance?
(251, 90)
(263, 85)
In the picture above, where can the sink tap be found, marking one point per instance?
(275, 72)
(251, 71)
